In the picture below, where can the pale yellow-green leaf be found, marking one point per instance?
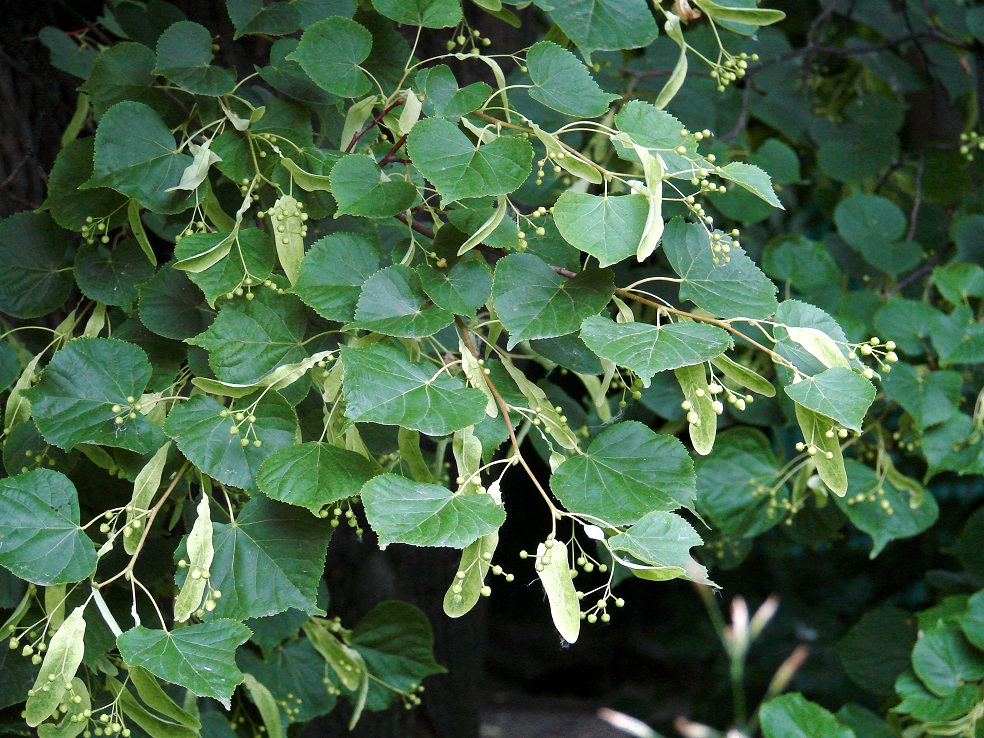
(555, 575)
(815, 428)
(265, 704)
(144, 488)
(61, 661)
(54, 604)
(693, 379)
(476, 560)
(290, 240)
(355, 118)
(137, 227)
(18, 408)
(564, 159)
(307, 181)
(487, 227)
(279, 378)
(679, 74)
(820, 345)
(410, 113)
(347, 663)
(200, 553)
(66, 728)
(744, 376)
(196, 172)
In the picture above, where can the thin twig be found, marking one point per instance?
(146, 529)
(504, 409)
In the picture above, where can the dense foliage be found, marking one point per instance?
(338, 287)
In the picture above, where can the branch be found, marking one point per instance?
(504, 409)
(373, 123)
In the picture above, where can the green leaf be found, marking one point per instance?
(461, 290)
(732, 289)
(884, 510)
(815, 428)
(907, 322)
(184, 56)
(268, 560)
(466, 588)
(383, 386)
(657, 131)
(144, 168)
(251, 256)
(61, 661)
(741, 13)
(67, 55)
(533, 301)
(957, 281)
(958, 338)
(658, 548)
(924, 705)
(360, 188)
(930, 398)
(562, 82)
(458, 169)
(203, 434)
(394, 303)
(314, 475)
(172, 306)
(330, 51)
(737, 484)
(403, 511)
(443, 99)
(876, 650)
(864, 219)
(569, 352)
(111, 277)
(253, 17)
(294, 674)
(35, 265)
(73, 403)
(71, 206)
(558, 582)
(972, 621)
(608, 228)
(333, 272)
(751, 178)
(397, 646)
(626, 472)
(201, 658)
(605, 25)
(792, 716)
(251, 338)
(26, 450)
(40, 537)
(649, 349)
(839, 393)
(944, 660)
(426, 13)
(123, 71)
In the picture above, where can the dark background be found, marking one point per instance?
(658, 658)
